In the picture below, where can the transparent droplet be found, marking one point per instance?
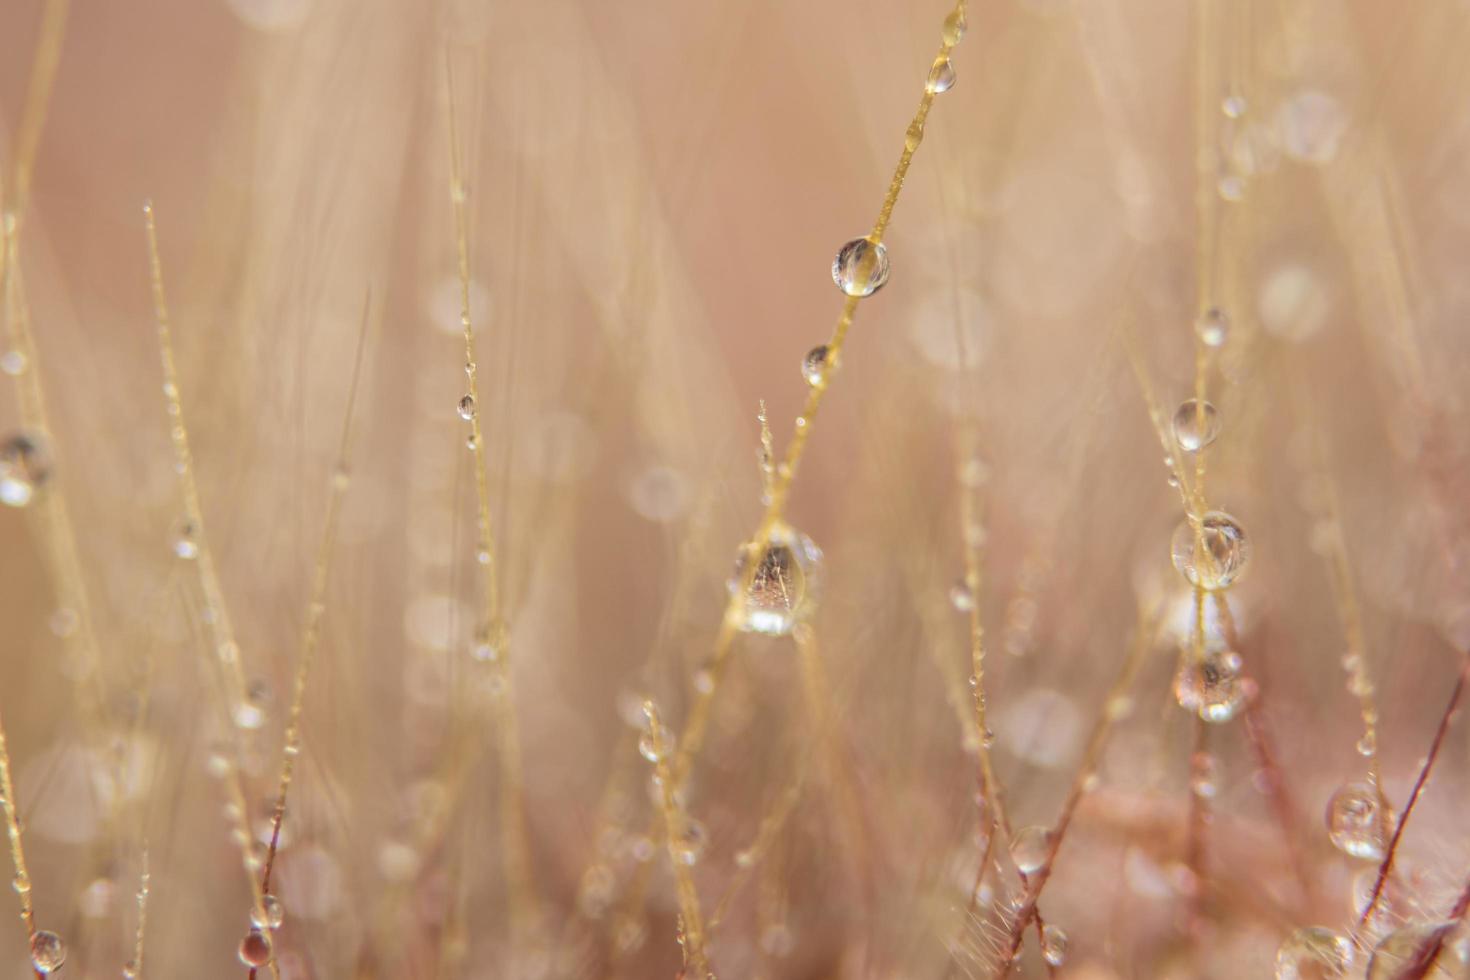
(691, 843)
(1416, 950)
(24, 467)
(861, 267)
(13, 363)
(490, 643)
(1217, 556)
(961, 596)
(275, 913)
(1212, 327)
(1313, 952)
(130, 970)
(186, 539)
(467, 407)
(1233, 106)
(651, 747)
(1231, 188)
(1367, 746)
(1204, 775)
(1054, 945)
(48, 952)
(954, 27)
(786, 582)
(1356, 821)
(1029, 847)
(1211, 685)
(21, 884)
(255, 949)
(1196, 425)
(250, 711)
(941, 75)
(814, 365)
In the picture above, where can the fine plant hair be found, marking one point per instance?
(480, 589)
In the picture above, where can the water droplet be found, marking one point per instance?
(1211, 686)
(1204, 775)
(130, 970)
(1367, 745)
(745, 857)
(861, 267)
(651, 747)
(186, 539)
(1312, 125)
(275, 913)
(48, 952)
(691, 844)
(24, 467)
(814, 365)
(255, 949)
(469, 442)
(941, 76)
(467, 407)
(786, 583)
(21, 884)
(490, 642)
(1233, 106)
(1217, 556)
(1196, 424)
(1356, 821)
(1212, 327)
(1312, 952)
(1054, 945)
(1029, 848)
(250, 711)
(13, 363)
(961, 597)
(1405, 952)
(954, 27)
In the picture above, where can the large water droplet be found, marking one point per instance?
(941, 76)
(1217, 556)
(1054, 945)
(1313, 952)
(274, 913)
(1356, 821)
(1211, 685)
(25, 464)
(1029, 848)
(1196, 425)
(785, 585)
(48, 952)
(861, 267)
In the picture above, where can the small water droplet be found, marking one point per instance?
(274, 913)
(1357, 822)
(130, 970)
(1212, 327)
(1204, 775)
(1367, 745)
(861, 267)
(1233, 106)
(1314, 951)
(1054, 945)
(814, 365)
(1211, 686)
(467, 407)
(48, 952)
(250, 711)
(1196, 425)
(1214, 558)
(25, 465)
(255, 949)
(21, 884)
(490, 642)
(651, 747)
(186, 539)
(961, 596)
(690, 845)
(785, 586)
(13, 363)
(1029, 848)
(941, 75)
(1231, 188)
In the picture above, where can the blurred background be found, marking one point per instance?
(654, 193)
